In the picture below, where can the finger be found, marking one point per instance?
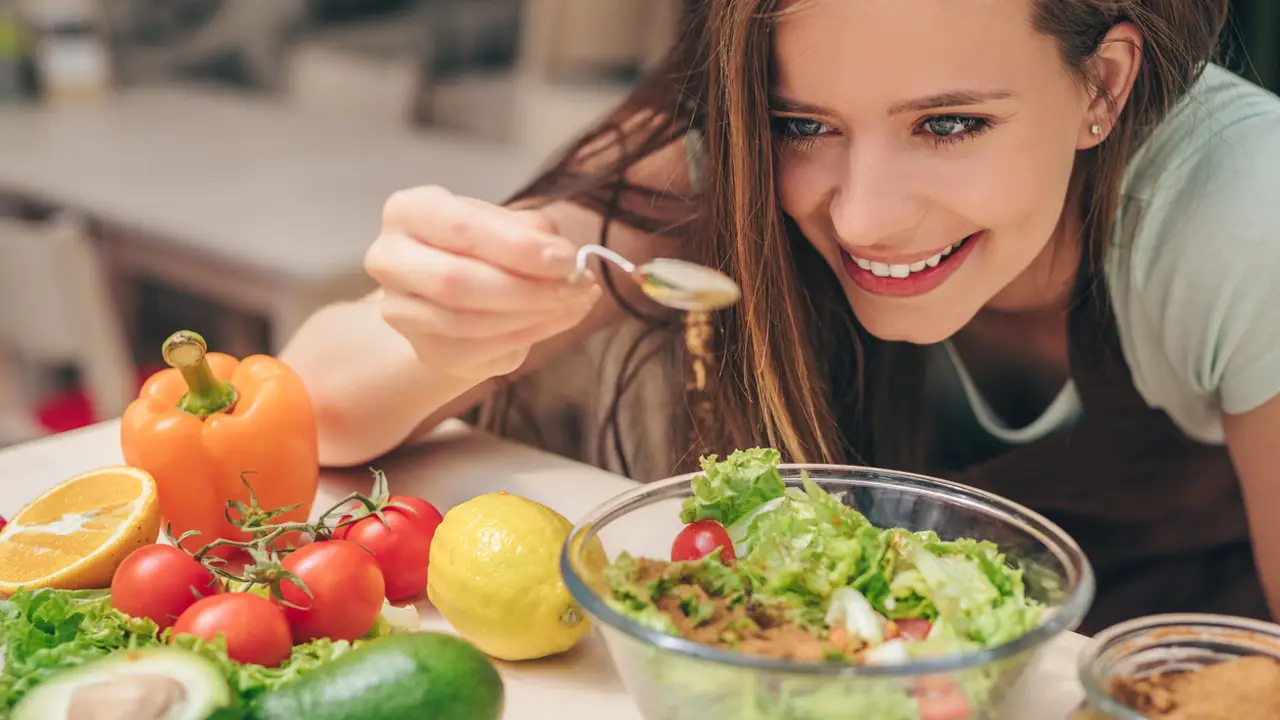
(456, 282)
(433, 319)
(522, 243)
(462, 355)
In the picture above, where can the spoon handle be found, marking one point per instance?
(585, 253)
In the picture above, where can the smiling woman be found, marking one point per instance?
(1028, 245)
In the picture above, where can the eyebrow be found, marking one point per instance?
(955, 98)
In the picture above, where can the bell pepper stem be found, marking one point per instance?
(206, 394)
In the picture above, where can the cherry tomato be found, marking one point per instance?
(3, 522)
(401, 547)
(421, 511)
(699, 538)
(346, 587)
(939, 698)
(913, 629)
(256, 632)
(160, 582)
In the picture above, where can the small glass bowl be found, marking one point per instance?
(1164, 644)
(671, 678)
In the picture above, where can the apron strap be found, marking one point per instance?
(1160, 516)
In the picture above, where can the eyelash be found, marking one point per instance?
(971, 127)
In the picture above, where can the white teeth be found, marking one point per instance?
(880, 269)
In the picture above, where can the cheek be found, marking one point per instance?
(798, 188)
(1015, 180)
(805, 188)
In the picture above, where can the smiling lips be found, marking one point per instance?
(908, 279)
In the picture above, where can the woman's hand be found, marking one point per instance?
(473, 286)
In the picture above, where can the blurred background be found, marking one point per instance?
(219, 165)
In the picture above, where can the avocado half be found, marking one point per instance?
(157, 683)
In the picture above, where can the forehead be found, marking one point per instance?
(891, 49)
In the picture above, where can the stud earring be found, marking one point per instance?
(1096, 130)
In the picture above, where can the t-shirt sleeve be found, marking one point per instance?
(1210, 268)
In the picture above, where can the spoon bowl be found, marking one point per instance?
(677, 284)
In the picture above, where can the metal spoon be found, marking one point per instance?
(674, 283)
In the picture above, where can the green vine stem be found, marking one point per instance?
(266, 567)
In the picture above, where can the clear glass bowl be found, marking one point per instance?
(672, 679)
(1164, 644)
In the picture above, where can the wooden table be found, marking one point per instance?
(459, 465)
(242, 199)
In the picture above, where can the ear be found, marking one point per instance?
(1113, 70)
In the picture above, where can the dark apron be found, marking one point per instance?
(1160, 516)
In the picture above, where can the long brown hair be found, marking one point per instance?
(796, 371)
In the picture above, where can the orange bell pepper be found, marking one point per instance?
(209, 424)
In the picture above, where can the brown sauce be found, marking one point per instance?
(1243, 689)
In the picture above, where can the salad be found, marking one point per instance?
(796, 574)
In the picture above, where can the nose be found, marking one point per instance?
(875, 204)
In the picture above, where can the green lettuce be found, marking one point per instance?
(798, 546)
(636, 597)
(729, 489)
(804, 551)
(46, 632)
(805, 548)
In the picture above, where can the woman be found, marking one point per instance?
(1027, 245)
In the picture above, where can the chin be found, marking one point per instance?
(915, 325)
(895, 332)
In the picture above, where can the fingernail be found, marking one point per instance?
(558, 256)
(579, 291)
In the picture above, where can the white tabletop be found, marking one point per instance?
(242, 179)
(462, 464)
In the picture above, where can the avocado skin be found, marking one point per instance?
(401, 677)
(53, 694)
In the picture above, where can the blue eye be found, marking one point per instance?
(953, 127)
(799, 127)
(801, 133)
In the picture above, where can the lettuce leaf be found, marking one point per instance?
(635, 595)
(727, 490)
(46, 632)
(249, 681)
(804, 549)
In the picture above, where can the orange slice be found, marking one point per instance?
(74, 536)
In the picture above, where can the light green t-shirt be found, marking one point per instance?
(1193, 271)
(1193, 268)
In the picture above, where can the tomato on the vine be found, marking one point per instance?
(346, 587)
(422, 512)
(699, 539)
(160, 582)
(401, 546)
(398, 530)
(255, 630)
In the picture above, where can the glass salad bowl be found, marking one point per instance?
(672, 678)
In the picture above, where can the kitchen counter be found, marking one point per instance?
(460, 464)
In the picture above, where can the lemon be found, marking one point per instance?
(74, 536)
(495, 577)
